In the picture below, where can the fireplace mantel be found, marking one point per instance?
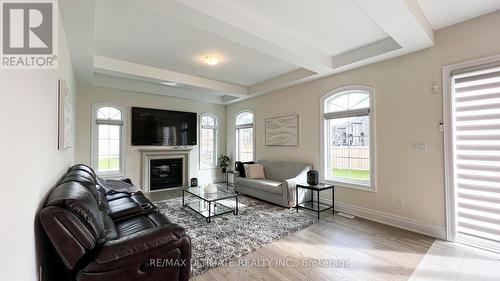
(148, 154)
(165, 149)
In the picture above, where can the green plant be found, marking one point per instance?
(223, 161)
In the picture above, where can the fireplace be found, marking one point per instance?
(165, 173)
(165, 168)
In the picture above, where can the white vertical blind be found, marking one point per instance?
(476, 97)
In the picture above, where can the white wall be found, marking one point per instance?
(30, 163)
(406, 112)
(89, 95)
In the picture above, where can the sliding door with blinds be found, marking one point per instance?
(476, 156)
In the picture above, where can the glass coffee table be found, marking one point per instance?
(208, 205)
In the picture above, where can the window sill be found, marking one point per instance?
(208, 167)
(117, 175)
(353, 185)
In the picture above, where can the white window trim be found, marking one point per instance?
(243, 127)
(94, 141)
(323, 164)
(449, 155)
(216, 141)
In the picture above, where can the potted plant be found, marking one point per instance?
(223, 162)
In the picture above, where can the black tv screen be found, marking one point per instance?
(163, 127)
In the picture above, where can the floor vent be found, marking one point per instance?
(349, 216)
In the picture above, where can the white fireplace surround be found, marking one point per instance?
(170, 153)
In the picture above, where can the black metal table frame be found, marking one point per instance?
(210, 202)
(312, 189)
(229, 184)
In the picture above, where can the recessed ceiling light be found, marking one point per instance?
(169, 83)
(211, 60)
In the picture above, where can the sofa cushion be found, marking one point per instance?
(282, 170)
(117, 195)
(262, 184)
(124, 205)
(79, 200)
(82, 167)
(255, 171)
(84, 179)
(241, 168)
(141, 223)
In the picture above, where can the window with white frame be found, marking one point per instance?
(348, 137)
(107, 140)
(208, 141)
(245, 146)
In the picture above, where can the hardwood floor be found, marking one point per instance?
(446, 261)
(369, 251)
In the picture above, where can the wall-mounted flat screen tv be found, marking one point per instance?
(163, 127)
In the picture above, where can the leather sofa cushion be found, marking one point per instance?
(268, 185)
(83, 178)
(79, 200)
(109, 228)
(141, 223)
(138, 243)
(125, 205)
(141, 199)
(117, 195)
(84, 168)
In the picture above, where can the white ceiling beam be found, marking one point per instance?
(79, 21)
(219, 18)
(109, 81)
(403, 20)
(112, 66)
(280, 82)
(369, 51)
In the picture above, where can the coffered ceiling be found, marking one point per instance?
(262, 45)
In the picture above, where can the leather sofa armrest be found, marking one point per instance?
(139, 243)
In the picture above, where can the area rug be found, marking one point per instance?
(228, 236)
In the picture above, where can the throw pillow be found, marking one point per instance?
(256, 171)
(241, 168)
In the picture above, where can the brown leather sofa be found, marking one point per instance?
(105, 235)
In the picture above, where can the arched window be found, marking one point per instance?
(347, 150)
(208, 140)
(107, 140)
(244, 132)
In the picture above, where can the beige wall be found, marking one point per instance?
(30, 162)
(406, 112)
(89, 95)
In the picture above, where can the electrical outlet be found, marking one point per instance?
(441, 127)
(401, 203)
(435, 89)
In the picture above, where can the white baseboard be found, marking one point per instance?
(437, 231)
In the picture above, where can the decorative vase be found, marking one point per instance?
(313, 177)
(194, 182)
(224, 170)
(210, 188)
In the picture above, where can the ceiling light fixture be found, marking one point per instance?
(169, 83)
(211, 60)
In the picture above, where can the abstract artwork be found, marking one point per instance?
(65, 122)
(282, 131)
